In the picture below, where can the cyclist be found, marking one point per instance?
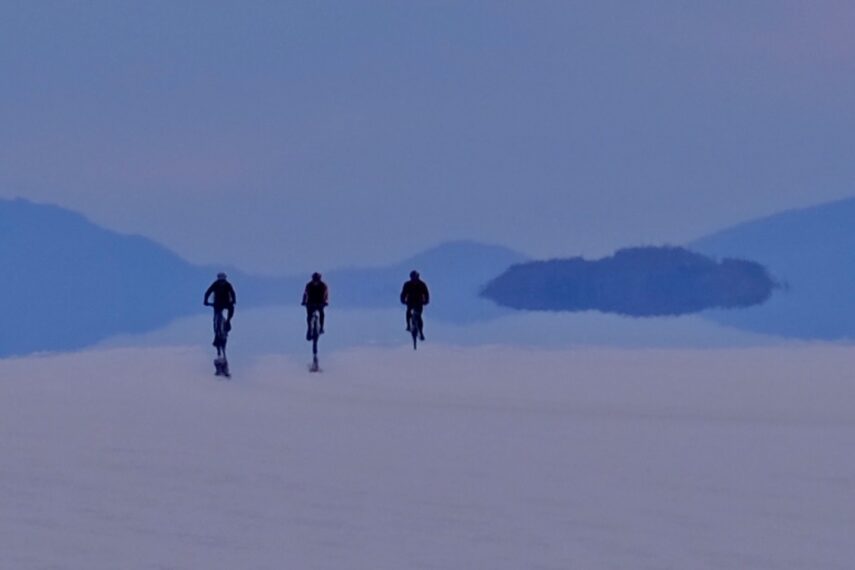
(315, 298)
(224, 299)
(415, 296)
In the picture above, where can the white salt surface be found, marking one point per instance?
(447, 458)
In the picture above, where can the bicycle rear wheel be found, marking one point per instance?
(316, 332)
(415, 328)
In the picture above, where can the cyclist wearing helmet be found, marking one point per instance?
(315, 297)
(224, 296)
(224, 299)
(415, 296)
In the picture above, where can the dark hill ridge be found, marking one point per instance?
(640, 282)
(812, 252)
(69, 283)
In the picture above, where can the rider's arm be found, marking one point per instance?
(233, 295)
(427, 295)
(404, 294)
(305, 296)
(326, 295)
(208, 294)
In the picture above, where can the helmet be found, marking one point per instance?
(316, 276)
(221, 275)
(414, 274)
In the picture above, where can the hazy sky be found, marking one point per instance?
(282, 136)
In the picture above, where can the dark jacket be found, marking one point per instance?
(316, 294)
(224, 294)
(415, 293)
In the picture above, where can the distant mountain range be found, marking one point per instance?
(638, 282)
(69, 283)
(455, 272)
(811, 252)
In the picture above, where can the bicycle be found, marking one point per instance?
(314, 335)
(416, 325)
(221, 337)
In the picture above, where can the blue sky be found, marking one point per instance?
(283, 136)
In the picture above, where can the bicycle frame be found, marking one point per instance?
(416, 325)
(221, 336)
(315, 328)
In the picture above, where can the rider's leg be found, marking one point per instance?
(231, 312)
(409, 318)
(308, 322)
(220, 332)
(321, 314)
(217, 317)
(421, 324)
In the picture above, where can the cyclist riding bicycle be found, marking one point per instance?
(224, 298)
(315, 298)
(415, 296)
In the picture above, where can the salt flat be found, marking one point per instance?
(483, 457)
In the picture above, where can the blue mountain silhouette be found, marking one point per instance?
(69, 283)
(455, 272)
(810, 252)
